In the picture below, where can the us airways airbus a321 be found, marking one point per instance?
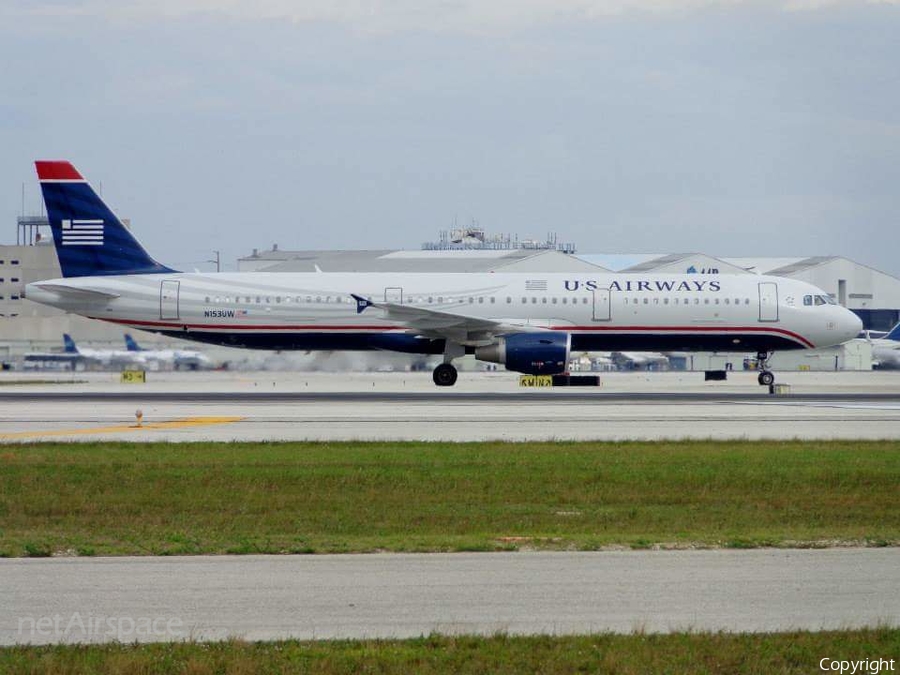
(530, 323)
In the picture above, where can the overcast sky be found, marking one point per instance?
(731, 128)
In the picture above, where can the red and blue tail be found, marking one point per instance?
(90, 240)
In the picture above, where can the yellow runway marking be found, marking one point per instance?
(171, 424)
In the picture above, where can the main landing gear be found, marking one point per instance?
(766, 377)
(445, 374)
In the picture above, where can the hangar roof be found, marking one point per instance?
(514, 260)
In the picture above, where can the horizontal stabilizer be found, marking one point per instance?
(71, 291)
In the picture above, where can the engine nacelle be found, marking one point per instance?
(530, 353)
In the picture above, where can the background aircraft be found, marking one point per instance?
(886, 350)
(73, 354)
(179, 359)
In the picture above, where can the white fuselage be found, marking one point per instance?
(601, 312)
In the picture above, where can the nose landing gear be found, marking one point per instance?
(766, 377)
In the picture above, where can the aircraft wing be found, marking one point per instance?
(431, 323)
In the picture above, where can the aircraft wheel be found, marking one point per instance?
(766, 378)
(444, 375)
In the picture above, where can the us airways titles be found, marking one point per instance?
(637, 286)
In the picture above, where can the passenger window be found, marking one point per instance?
(646, 301)
(584, 301)
(258, 299)
(524, 301)
(278, 299)
(493, 299)
(727, 301)
(480, 299)
(544, 300)
(318, 298)
(207, 299)
(533, 300)
(554, 301)
(508, 300)
(440, 300)
(665, 301)
(705, 301)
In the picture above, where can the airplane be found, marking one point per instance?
(74, 355)
(528, 322)
(188, 359)
(640, 360)
(886, 350)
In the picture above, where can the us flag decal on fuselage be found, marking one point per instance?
(82, 233)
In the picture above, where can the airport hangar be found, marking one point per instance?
(875, 296)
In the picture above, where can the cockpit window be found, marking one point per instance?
(818, 300)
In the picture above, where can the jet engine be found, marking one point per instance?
(544, 353)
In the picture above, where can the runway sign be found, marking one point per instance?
(535, 380)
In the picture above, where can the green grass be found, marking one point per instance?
(798, 652)
(121, 498)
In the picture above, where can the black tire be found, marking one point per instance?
(766, 378)
(444, 375)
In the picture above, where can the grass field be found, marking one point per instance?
(622, 654)
(120, 498)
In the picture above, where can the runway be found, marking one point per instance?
(390, 595)
(484, 406)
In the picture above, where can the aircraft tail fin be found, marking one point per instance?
(69, 344)
(131, 344)
(894, 334)
(90, 240)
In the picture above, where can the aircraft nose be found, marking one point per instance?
(850, 324)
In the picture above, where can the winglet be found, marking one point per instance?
(361, 303)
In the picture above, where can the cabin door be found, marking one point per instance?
(168, 299)
(602, 301)
(768, 301)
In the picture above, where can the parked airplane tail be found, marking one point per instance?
(131, 344)
(894, 334)
(90, 240)
(69, 344)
